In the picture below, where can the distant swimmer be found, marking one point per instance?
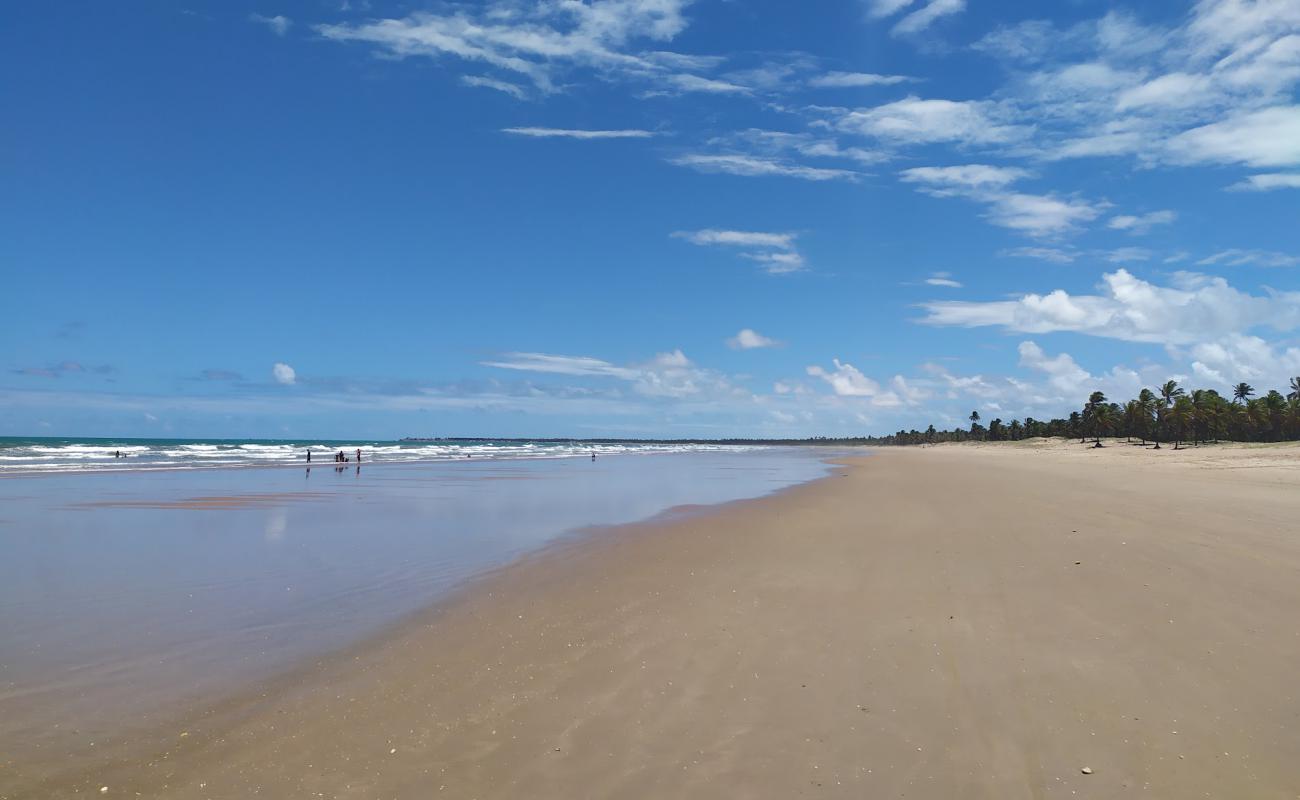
(358, 455)
(117, 454)
(593, 455)
(308, 456)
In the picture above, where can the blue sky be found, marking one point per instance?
(638, 217)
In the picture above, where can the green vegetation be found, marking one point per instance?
(1168, 415)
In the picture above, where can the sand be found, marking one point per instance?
(954, 621)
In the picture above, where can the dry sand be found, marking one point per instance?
(957, 621)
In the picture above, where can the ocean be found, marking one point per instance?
(26, 455)
(132, 589)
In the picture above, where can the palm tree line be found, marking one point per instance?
(1167, 416)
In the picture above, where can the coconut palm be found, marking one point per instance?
(1242, 392)
(1147, 400)
(1168, 394)
(1103, 417)
(1295, 389)
(1181, 415)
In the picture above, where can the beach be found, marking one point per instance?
(1002, 621)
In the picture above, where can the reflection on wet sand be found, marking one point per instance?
(128, 598)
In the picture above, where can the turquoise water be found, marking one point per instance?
(126, 596)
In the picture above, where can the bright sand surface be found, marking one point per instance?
(956, 621)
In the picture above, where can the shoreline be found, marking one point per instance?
(194, 713)
(424, 462)
(620, 664)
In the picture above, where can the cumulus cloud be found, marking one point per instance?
(848, 381)
(1031, 214)
(284, 374)
(1062, 372)
(775, 251)
(569, 133)
(1195, 308)
(750, 339)
(1239, 357)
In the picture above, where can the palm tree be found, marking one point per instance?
(1103, 416)
(1147, 401)
(1168, 394)
(1295, 389)
(1242, 392)
(1096, 401)
(1180, 416)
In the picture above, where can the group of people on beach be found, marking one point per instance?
(339, 457)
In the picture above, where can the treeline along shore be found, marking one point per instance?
(1168, 413)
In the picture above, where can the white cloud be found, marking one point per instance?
(1250, 258)
(963, 178)
(279, 25)
(1238, 357)
(568, 133)
(1053, 254)
(774, 145)
(1216, 88)
(914, 120)
(846, 380)
(694, 83)
(708, 236)
(512, 89)
(668, 375)
(1125, 255)
(1268, 137)
(1196, 308)
(776, 251)
(1268, 182)
(284, 374)
(778, 263)
(750, 339)
(535, 40)
(1034, 215)
(753, 166)
(1063, 374)
(855, 80)
(924, 17)
(943, 279)
(1139, 224)
(878, 9)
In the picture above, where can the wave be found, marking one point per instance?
(74, 456)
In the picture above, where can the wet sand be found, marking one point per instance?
(929, 623)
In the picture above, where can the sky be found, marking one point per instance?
(339, 218)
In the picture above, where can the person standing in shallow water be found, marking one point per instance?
(308, 456)
(358, 455)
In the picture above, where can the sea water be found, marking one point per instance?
(127, 595)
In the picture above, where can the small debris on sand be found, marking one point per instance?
(1086, 770)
